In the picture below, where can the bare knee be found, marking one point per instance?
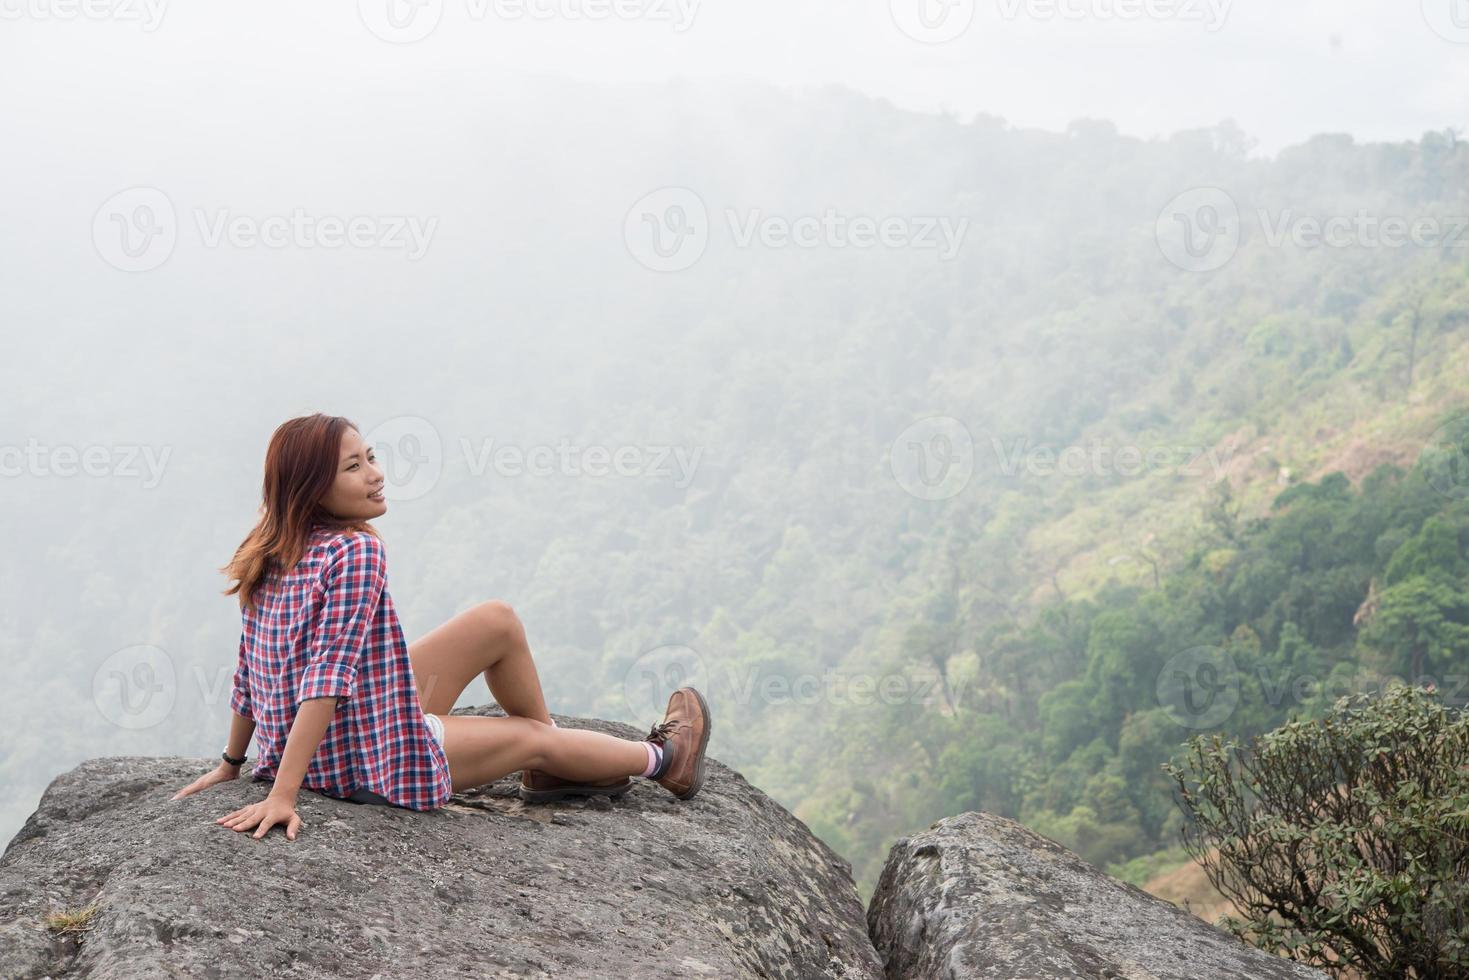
(500, 624)
(536, 738)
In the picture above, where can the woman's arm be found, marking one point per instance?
(242, 721)
(242, 729)
(313, 718)
(279, 806)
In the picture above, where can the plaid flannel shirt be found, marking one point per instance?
(328, 628)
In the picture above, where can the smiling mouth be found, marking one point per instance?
(378, 495)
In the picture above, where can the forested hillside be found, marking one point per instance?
(1270, 549)
(1295, 528)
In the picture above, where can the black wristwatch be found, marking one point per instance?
(234, 762)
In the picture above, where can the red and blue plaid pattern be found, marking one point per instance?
(328, 628)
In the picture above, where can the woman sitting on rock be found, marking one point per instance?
(340, 704)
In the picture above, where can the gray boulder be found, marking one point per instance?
(980, 896)
(728, 884)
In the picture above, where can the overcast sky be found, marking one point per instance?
(1282, 69)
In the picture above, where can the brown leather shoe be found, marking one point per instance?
(542, 787)
(683, 733)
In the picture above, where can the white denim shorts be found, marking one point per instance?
(436, 725)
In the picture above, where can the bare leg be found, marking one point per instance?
(487, 640)
(481, 750)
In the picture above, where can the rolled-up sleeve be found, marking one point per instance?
(240, 690)
(353, 584)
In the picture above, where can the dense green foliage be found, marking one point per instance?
(1070, 729)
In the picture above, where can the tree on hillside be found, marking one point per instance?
(1421, 619)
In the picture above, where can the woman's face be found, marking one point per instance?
(357, 491)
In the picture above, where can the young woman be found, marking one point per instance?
(338, 703)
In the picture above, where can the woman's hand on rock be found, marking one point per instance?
(221, 773)
(267, 813)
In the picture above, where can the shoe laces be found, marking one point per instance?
(660, 732)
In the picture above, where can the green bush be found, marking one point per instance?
(1344, 841)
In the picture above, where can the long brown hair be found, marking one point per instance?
(300, 467)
